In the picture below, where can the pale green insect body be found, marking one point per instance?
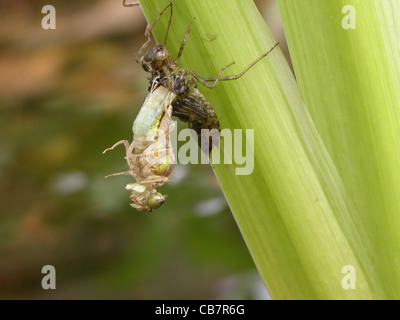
(146, 125)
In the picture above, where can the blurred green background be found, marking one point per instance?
(65, 96)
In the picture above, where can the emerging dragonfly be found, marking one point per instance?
(190, 105)
(150, 156)
(172, 91)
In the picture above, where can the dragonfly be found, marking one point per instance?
(150, 155)
(190, 106)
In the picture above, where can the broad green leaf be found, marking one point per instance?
(294, 212)
(350, 81)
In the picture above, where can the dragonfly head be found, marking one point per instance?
(156, 59)
(156, 200)
(145, 198)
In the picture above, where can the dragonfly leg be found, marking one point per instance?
(184, 41)
(204, 82)
(124, 142)
(123, 173)
(153, 179)
(216, 80)
(149, 28)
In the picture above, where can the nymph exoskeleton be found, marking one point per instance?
(150, 156)
(190, 105)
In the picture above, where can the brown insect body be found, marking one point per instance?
(190, 105)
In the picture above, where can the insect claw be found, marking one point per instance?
(130, 4)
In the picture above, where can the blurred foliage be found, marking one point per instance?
(66, 95)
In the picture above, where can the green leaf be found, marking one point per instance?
(293, 210)
(350, 81)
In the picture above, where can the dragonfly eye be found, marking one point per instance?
(156, 201)
(161, 55)
(146, 64)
